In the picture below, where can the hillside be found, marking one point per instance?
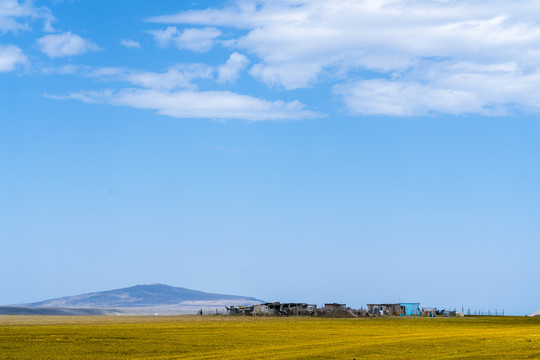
(21, 310)
(146, 299)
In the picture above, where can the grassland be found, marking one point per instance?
(219, 337)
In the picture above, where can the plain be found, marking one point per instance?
(224, 337)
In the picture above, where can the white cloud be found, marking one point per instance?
(14, 16)
(164, 37)
(175, 78)
(449, 53)
(288, 75)
(130, 44)
(181, 76)
(68, 69)
(175, 93)
(172, 79)
(395, 98)
(10, 57)
(230, 71)
(217, 105)
(448, 88)
(106, 73)
(65, 44)
(197, 40)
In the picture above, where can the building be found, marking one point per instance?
(277, 308)
(239, 310)
(401, 309)
(385, 309)
(430, 312)
(447, 313)
(411, 309)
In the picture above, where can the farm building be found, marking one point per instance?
(328, 310)
(287, 309)
(401, 309)
(274, 309)
(385, 309)
(411, 309)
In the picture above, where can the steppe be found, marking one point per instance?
(226, 337)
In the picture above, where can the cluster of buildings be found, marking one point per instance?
(401, 309)
(408, 309)
(305, 309)
(285, 309)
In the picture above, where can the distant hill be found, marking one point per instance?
(21, 310)
(140, 299)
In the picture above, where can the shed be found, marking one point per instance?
(286, 309)
(411, 309)
(431, 312)
(385, 309)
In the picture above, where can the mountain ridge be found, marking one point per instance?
(140, 296)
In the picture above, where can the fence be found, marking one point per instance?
(488, 312)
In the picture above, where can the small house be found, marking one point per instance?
(411, 309)
(385, 309)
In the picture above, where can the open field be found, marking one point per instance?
(220, 337)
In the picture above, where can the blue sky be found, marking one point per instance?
(368, 151)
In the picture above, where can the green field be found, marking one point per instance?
(221, 337)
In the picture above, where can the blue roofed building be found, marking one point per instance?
(411, 309)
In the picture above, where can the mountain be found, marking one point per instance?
(140, 296)
(537, 313)
(144, 299)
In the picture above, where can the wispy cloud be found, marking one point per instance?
(447, 88)
(68, 69)
(180, 76)
(176, 93)
(197, 40)
(15, 16)
(172, 79)
(10, 57)
(390, 50)
(230, 71)
(131, 44)
(218, 105)
(383, 97)
(65, 44)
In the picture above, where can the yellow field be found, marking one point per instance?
(220, 337)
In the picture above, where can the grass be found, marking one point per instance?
(221, 337)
